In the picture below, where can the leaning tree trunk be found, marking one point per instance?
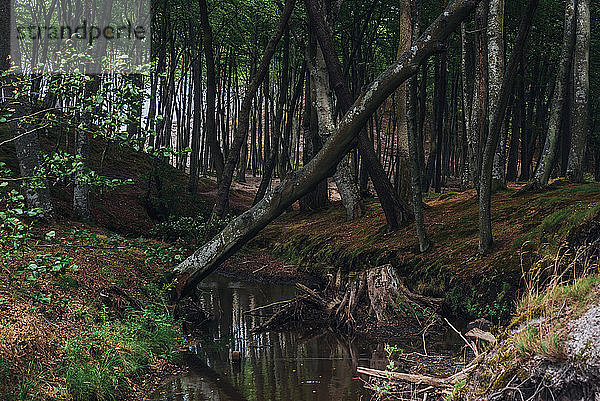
(343, 177)
(548, 156)
(581, 62)
(485, 184)
(206, 259)
(222, 202)
(396, 211)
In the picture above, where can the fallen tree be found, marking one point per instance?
(207, 258)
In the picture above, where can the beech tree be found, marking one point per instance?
(485, 182)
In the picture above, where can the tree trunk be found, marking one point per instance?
(513, 152)
(581, 127)
(470, 165)
(403, 182)
(81, 191)
(29, 154)
(211, 93)
(548, 156)
(222, 201)
(196, 124)
(317, 196)
(343, 177)
(413, 143)
(495, 73)
(485, 185)
(206, 259)
(480, 97)
(283, 89)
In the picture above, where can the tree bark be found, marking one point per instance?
(480, 97)
(495, 73)
(196, 124)
(470, 165)
(29, 154)
(581, 126)
(413, 144)
(81, 190)
(548, 156)
(222, 202)
(283, 89)
(403, 181)
(343, 177)
(206, 259)
(317, 197)
(485, 185)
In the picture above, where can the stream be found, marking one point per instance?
(273, 366)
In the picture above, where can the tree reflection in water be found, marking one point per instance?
(273, 366)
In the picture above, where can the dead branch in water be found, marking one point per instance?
(438, 382)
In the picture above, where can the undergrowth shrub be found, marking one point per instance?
(101, 362)
(189, 230)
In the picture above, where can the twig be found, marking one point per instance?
(463, 337)
(259, 269)
(23, 134)
(271, 305)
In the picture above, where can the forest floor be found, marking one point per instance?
(82, 295)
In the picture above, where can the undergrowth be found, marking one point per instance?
(101, 362)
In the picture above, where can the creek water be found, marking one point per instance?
(272, 366)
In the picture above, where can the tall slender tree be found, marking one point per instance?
(485, 183)
(548, 156)
(581, 125)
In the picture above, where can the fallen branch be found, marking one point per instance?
(440, 382)
(271, 305)
(480, 334)
(406, 377)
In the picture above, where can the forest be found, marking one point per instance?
(275, 200)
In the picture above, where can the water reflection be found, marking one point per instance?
(273, 366)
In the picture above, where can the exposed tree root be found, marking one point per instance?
(340, 303)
